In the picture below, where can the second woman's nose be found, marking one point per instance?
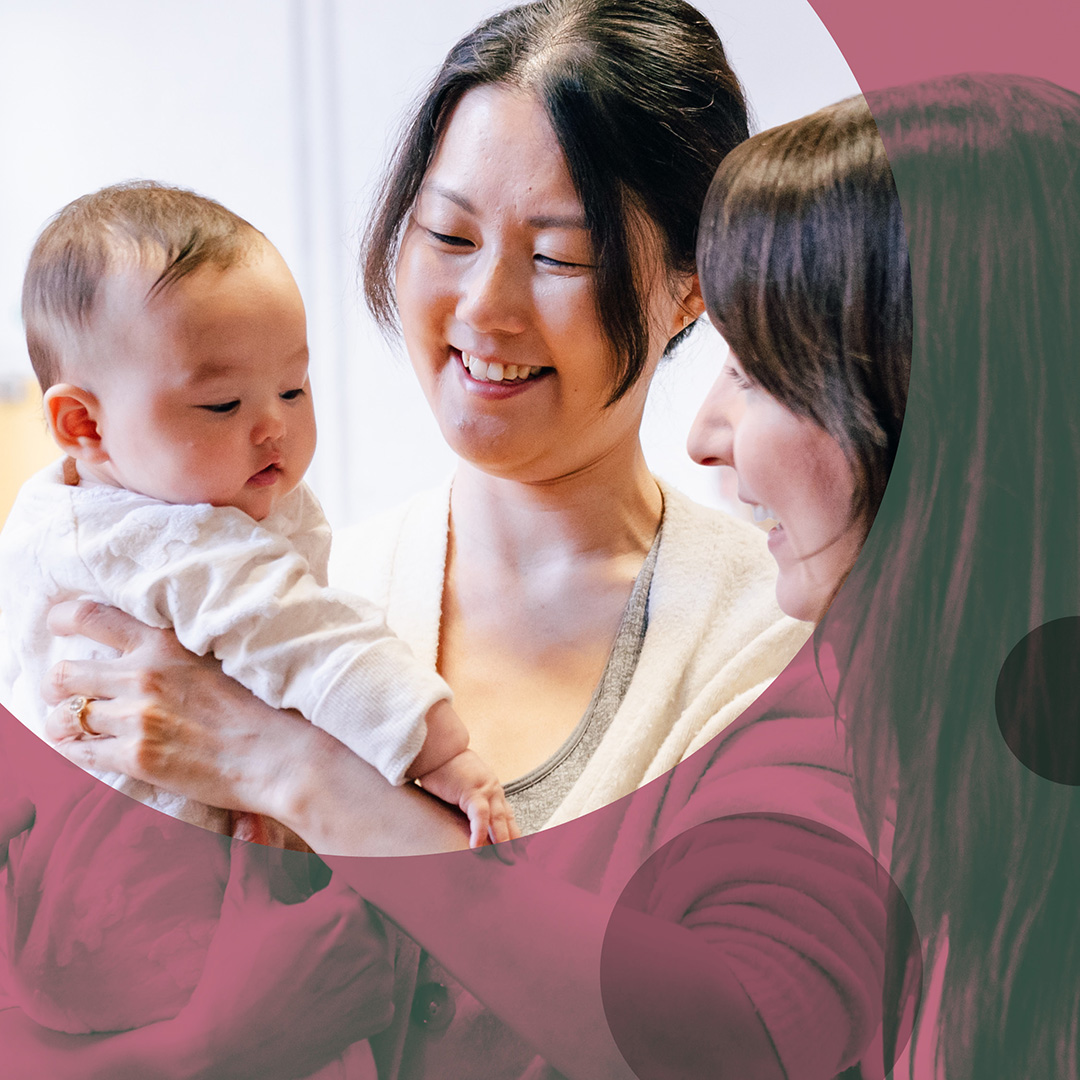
(712, 434)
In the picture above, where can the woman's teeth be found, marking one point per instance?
(764, 513)
(483, 371)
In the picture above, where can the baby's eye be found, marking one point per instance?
(224, 407)
(292, 395)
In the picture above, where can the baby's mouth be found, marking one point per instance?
(266, 476)
(492, 371)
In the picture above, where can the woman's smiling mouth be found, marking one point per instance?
(494, 372)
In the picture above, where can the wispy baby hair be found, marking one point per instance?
(126, 224)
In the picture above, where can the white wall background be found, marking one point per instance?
(284, 110)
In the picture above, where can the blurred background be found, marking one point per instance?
(285, 111)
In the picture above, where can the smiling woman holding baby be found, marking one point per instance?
(536, 237)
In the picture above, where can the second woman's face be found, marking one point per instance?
(496, 294)
(797, 474)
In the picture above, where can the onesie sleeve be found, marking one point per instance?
(232, 587)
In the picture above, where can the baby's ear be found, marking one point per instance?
(72, 415)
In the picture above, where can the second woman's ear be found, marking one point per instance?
(72, 414)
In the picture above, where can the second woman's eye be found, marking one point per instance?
(738, 377)
(223, 407)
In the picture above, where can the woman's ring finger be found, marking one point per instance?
(78, 706)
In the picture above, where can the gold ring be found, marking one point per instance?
(77, 706)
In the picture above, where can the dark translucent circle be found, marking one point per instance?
(763, 913)
(1037, 701)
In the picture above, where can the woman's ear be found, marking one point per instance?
(72, 414)
(693, 303)
(690, 304)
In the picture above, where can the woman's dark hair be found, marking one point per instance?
(803, 266)
(644, 105)
(976, 545)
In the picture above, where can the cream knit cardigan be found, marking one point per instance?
(715, 636)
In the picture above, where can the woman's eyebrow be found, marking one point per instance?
(542, 221)
(556, 221)
(448, 193)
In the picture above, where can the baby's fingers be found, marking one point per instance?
(503, 826)
(479, 814)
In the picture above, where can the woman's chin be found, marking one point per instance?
(483, 443)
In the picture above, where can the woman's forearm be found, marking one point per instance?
(341, 805)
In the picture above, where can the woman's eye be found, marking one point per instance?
(224, 407)
(548, 260)
(450, 241)
(292, 395)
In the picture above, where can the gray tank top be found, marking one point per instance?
(536, 795)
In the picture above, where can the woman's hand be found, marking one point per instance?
(175, 720)
(286, 987)
(169, 718)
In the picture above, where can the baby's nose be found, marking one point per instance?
(270, 426)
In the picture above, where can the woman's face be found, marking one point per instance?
(797, 474)
(496, 295)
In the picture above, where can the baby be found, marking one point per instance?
(169, 339)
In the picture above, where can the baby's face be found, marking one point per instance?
(204, 397)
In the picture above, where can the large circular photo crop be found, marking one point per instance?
(900, 797)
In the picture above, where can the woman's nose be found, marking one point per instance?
(712, 434)
(492, 297)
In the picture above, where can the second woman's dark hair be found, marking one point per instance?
(804, 270)
(974, 547)
(644, 105)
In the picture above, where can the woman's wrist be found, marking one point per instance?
(301, 776)
(323, 782)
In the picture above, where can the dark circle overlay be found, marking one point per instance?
(726, 927)
(1037, 701)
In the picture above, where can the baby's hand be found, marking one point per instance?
(467, 782)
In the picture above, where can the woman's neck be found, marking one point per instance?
(612, 509)
(538, 575)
